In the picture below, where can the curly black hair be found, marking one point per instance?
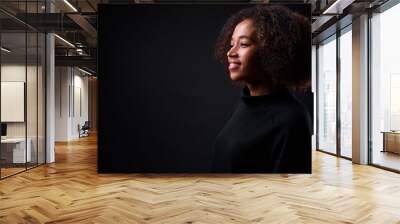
(285, 40)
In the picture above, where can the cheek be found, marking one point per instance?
(249, 58)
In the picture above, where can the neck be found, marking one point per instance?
(259, 90)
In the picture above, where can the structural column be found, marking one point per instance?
(360, 89)
(50, 92)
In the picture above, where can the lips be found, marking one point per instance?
(234, 65)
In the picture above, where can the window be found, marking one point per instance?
(327, 95)
(385, 88)
(346, 92)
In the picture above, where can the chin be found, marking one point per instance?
(235, 76)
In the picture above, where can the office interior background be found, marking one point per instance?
(49, 88)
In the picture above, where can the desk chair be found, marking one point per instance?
(84, 130)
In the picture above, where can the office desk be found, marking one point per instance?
(13, 150)
(391, 141)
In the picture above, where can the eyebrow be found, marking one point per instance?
(244, 37)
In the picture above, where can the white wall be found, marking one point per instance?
(80, 112)
(71, 102)
(62, 81)
(33, 127)
(16, 72)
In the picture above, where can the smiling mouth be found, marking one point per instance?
(234, 66)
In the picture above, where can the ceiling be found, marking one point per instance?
(76, 22)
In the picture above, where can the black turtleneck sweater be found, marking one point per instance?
(265, 134)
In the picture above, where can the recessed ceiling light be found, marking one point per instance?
(338, 6)
(5, 50)
(64, 40)
(70, 5)
(84, 71)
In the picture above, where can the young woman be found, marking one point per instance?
(267, 50)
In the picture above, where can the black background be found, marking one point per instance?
(163, 97)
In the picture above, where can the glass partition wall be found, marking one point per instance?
(22, 88)
(13, 86)
(334, 94)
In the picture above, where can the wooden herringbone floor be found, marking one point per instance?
(70, 191)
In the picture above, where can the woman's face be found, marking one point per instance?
(242, 61)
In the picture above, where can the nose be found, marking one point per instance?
(232, 52)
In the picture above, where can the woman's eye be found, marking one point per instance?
(241, 45)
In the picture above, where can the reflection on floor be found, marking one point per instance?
(346, 152)
(386, 159)
(10, 169)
